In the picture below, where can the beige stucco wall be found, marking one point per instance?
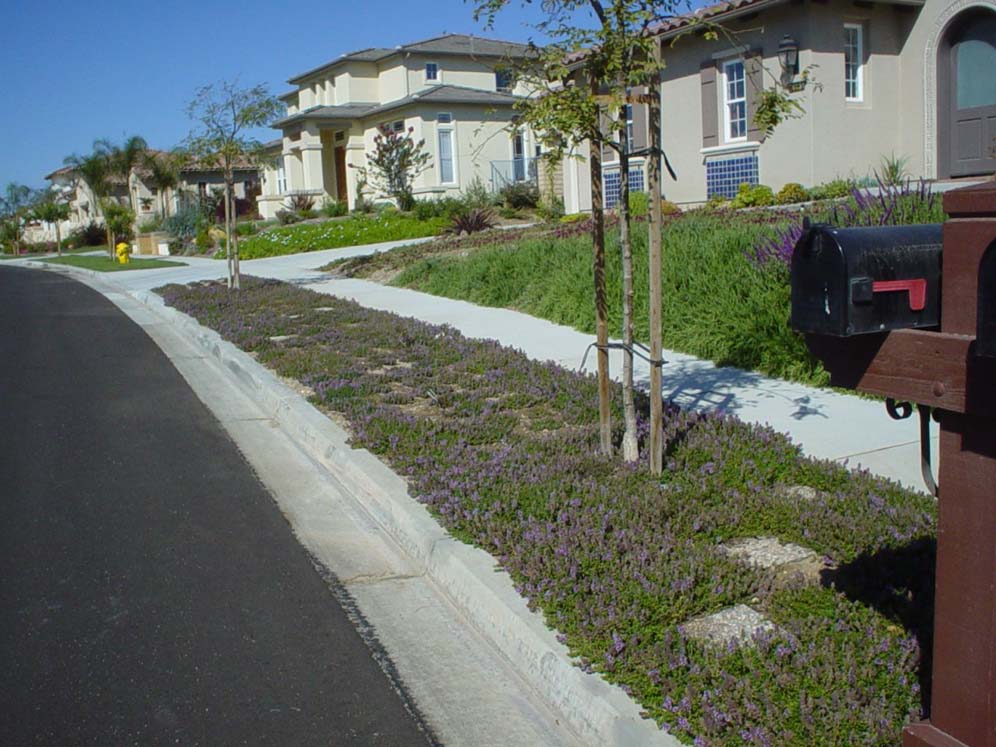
(834, 138)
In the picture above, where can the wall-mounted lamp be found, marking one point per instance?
(788, 58)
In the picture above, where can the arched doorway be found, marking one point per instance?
(966, 90)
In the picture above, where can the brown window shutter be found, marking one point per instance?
(640, 121)
(710, 110)
(754, 75)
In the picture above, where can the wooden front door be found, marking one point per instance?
(340, 174)
(972, 96)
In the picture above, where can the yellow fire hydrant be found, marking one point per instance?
(122, 250)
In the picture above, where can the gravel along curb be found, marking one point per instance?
(600, 713)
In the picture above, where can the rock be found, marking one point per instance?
(736, 625)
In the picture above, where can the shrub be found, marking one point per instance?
(791, 193)
(176, 247)
(893, 171)
(550, 210)
(832, 190)
(203, 242)
(335, 208)
(477, 195)
(307, 214)
(669, 208)
(149, 225)
(717, 202)
(287, 217)
(300, 202)
(185, 222)
(639, 204)
(509, 213)
(443, 207)
(92, 234)
(120, 219)
(248, 228)
(574, 218)
(520, 195)
(758, 195)
(472, 221)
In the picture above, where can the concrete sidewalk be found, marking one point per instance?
(825, 424)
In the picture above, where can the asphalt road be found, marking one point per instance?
(150, 590)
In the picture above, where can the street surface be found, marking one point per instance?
(150, 590)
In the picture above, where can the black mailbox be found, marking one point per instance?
(853, 281)
(985, 336)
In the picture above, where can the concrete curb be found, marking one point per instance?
(598, 712)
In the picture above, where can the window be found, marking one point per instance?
(504, 80)
(735, 100)
(447, 168)
(398, 126)
(431, 71)
(853, 54)
(281, 177)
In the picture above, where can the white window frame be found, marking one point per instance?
(444, 123)
(281, 176)
(859, 67)
(438, 73)
(727, 101)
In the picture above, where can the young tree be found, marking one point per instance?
(586, 77)
(15, 206)
(226, 114)
(52, 210)
(394, 164)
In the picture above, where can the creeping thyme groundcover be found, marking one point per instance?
(502, 451)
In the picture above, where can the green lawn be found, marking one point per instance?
(105, 264)
(332, 234)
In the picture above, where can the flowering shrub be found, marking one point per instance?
(504, 451)
(899, 205)
(359, 229)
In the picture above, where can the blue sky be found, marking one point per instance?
(77, 71)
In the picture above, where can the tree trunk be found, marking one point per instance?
(234, 242)
(630, 446)
(655, 262)
(601, 308)
(228, 234)
(58, 238)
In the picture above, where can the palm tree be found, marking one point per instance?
(99, 170)
(164, 174)
(122, 160)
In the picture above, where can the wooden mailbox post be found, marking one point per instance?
(944, 371)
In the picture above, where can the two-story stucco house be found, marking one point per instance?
(455, 92)
(909, 79)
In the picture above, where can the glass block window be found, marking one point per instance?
(723, 177)
(852, 61)
(735, 93)
(612, 185)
